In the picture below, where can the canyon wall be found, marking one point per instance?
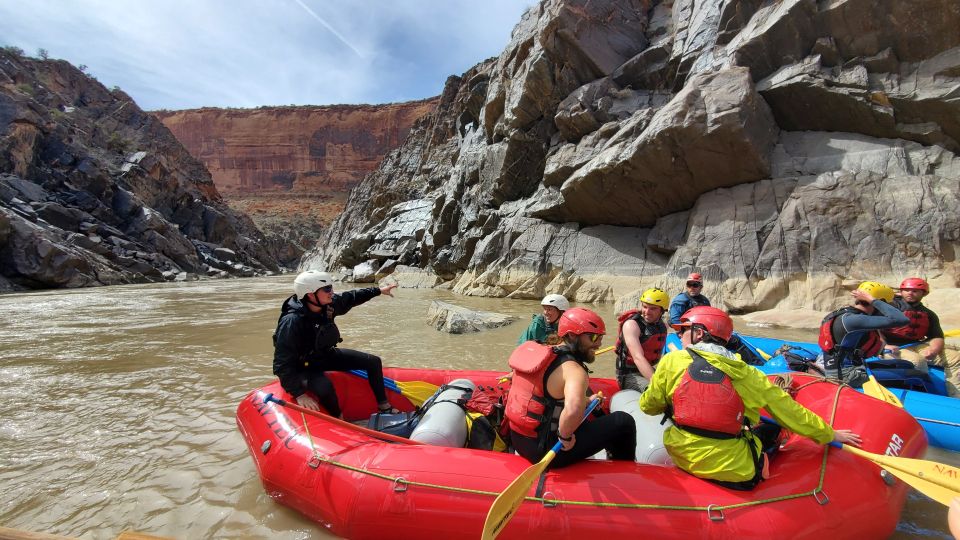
(784, 149)
(298, 148)
(94, 191)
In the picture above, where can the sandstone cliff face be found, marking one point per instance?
(290, 168)
(305, 149)
(94, 191)
(786, 150)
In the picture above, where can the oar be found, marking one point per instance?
(416, 391)
(938, 481)
(873, 388)
(510, 499)
(605, 349)
(270, 398)
(935, 480)
(763, 354)
(952, 333)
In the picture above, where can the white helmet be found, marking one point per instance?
(556, 300)
(309, 281)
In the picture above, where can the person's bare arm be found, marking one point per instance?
(631, 338)
(575, 383)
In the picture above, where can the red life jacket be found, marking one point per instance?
(706, 403)
(529, 407)
(652, 339)
(870, 344)
(915, 331)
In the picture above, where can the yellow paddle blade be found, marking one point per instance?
(873, 388)
(952, 333)
(935, 480)
(763, 353)
(605, 349)
(509, 501)
(417, 391)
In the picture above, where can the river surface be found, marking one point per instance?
(119, 402)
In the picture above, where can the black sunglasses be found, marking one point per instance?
(694, 284)
(327, 289)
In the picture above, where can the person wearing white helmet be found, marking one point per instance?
(545, 325)
(305, 342)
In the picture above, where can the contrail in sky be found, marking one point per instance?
(328, 27)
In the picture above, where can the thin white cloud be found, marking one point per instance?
(328, 27)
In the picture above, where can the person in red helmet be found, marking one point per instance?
(549, 394)
(689, 298)
(924, 328)
(713, 398)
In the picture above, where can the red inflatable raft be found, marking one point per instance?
(359, 486)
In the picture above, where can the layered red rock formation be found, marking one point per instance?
(311, 149)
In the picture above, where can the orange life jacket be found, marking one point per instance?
(529, 408)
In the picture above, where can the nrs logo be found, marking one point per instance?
(894, 446)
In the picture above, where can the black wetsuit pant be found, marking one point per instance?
(337, 359)
(769, 435)
(615, 432)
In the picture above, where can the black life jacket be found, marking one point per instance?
(705, 402)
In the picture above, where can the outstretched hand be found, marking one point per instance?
(307, 402)
(846, 436)
(388, 289)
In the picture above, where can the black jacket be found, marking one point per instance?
(295, 352)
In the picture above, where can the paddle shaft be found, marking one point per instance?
(910, 471)
(510, 499)
(270, 398)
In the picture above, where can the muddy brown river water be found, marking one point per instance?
(119, 403)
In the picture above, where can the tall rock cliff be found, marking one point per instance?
(94, 191)
(784, 149)
(304, 149)
(290, 168)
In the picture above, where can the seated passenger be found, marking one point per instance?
(306, 339)
(688, 299)
(923, 331)
(550, 392)
(851, 334)
(713, 397)
(544, 326)
(641, 340)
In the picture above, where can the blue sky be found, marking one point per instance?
(178, 54)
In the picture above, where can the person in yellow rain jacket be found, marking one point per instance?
(713, 397)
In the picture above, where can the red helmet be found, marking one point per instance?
(695, 276)
(915, 283)
(580, 321)
(715, 321)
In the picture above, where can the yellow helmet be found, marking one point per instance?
(656, 297)
(877, 290)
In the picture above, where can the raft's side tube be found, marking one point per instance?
(445, 422)
(649, 429)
